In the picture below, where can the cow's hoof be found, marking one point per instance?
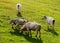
(12, 27)
(36, 36)
(39, 36)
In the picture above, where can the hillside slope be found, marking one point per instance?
(32, 10)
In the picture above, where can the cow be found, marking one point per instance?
(31, 26)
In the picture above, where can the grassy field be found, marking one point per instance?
(32, 10)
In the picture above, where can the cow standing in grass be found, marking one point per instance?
(31, 26)
(17, 22)
(18, 6)
(50, 21)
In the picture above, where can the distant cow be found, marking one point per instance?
(31, 26)
(19, 7)
(17, 22)
(50, 21)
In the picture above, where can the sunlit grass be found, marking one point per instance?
(32, 10)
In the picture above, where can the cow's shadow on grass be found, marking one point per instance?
(52, 31)
(30, 39)
(19, 14)
(15, 32)
(33, 40)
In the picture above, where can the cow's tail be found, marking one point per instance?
(53, 22)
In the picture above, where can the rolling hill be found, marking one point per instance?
(32, 10)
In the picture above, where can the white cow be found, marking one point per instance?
(17, 22)
(19, 7)
(50, 21)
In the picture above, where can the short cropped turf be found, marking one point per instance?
(32, 10)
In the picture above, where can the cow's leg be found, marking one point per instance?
(36, 33)
(39, 30)
(48, 26)
(30, 33)
(39, 33)
(53, 24)
(12, 26)
(22, 28)
(52, 27)
(16, 26)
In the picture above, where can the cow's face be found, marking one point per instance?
(13, 22)
(44, 17)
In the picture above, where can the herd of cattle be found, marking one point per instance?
(25, 25)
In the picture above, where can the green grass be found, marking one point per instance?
(32, 10)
